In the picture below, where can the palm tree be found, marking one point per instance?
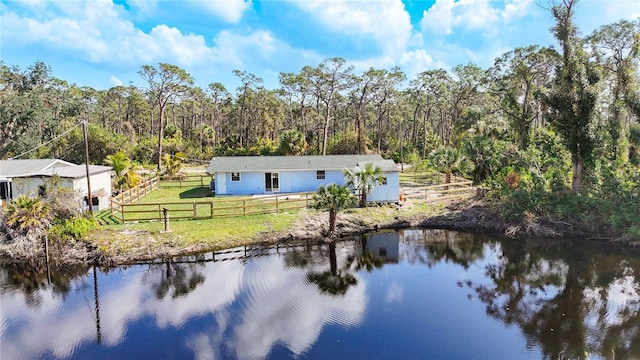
(448, 160)
(121, 165)
(292, 142)
(172, 164)
(28, 215)
(333, 197)
(364, 180)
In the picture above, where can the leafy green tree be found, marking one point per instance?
(172, 132)
(518, 77)
(102, 143)
(464, 102)
(292, 142)
(363, 180)
(448, 160)
(172, 164)
(343, 144)
(572, 99)
(203, 136)
(330, 78)
(333, 197)
(488, 156)
(251, 84)
(426, 94)
(263, 146)
(22, 105)
(121, 165)
(617, 47)
(166, 83)
(634, 144)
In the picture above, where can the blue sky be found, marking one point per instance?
(102, 43)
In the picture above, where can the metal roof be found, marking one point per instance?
(22, 167)
(291, 163)
(73, 171)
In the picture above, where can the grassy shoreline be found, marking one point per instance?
(130, 242)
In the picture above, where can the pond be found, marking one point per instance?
(411, 294)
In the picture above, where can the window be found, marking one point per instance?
(320, 175)
(95, 202)
(271, 182)
(384, 181)
(5, 191)
(235, 176)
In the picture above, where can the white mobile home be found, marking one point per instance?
(28, 177)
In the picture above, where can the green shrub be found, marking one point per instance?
(71, 229)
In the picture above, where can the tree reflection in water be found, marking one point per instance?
(570, 300)
(31, 282)
(182, 278)
(567, 297)
(333, 281)
(366, 259)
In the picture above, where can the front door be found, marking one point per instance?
(221, 185)
(271, 182)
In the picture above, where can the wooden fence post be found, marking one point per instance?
(195, 212)
(244, 207)
(211, 209)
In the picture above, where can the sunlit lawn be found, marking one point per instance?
(229, 231)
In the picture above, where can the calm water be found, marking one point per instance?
(412, 294)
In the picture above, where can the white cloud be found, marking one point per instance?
(99, 32)
(143, 6)
(385, 21)
(228, 10)
(284, 308)
(416, 61)
(280, 307)
(231, 47)
(115, 81)
(395, 293)
(445, 15)
(590, 15)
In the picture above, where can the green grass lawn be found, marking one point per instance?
(226, 232)
(217, 232)
(410, 178)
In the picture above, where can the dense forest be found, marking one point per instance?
(552, 131)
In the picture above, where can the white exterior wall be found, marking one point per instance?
(29, 187)
(98, 181)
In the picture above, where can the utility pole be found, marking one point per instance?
(86, 163)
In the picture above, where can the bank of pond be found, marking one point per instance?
(411, 293)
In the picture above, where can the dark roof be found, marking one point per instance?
(22, 167)
(290, 163)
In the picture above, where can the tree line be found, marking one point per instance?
(581, 102)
